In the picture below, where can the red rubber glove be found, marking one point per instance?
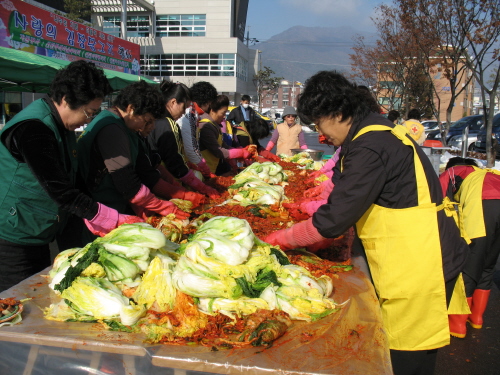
(269, 155)
(204, 169)
(192, 181)
(168, 191)
(108, 219)
(239, 153)
(147, 200)
(299, 235)
(195, 198)
(313, 176)
(314, 191)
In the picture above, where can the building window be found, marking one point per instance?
(241, 68)
(285, 102)
(285, 96)
(275, 102)
(137, 26)
(111, 25)
(170, 25)
(268, 102)
(285, 89)
(189, 64)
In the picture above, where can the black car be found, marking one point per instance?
(480, 145)
(474, 123)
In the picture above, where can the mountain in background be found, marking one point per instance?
(299, 52)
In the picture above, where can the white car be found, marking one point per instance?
(456, 141)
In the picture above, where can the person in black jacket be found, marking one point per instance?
(386, 186)
(243, 112)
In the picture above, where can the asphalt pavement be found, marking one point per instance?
(479, 352)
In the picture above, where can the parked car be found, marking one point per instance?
(456, 141)
(474, 124)
(480, 144)
(430, 125)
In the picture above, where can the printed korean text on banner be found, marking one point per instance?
(25, 27)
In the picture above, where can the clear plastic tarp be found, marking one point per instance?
(351, 341)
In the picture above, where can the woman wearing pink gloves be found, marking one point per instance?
(388, 189)
(212, 147)
(288, 135)
(166, 139)
(108, 150)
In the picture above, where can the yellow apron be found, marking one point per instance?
(404, 254)
(211, 159)
(470, 196)
(241, 129)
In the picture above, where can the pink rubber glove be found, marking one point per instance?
(168, 191)
(303, 147)
(192, 181)
(299, 235)
(239, 153)
(108, 219)
(330, 164)
(310, 207)
(269, 146)
(147, 200)
(204, 169)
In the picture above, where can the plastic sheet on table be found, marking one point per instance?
(351, 341)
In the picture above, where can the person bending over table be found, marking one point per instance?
(389, 190)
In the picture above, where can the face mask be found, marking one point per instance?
(245, 106)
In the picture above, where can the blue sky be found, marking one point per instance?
(270, 17)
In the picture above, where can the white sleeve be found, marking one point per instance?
(191, 147)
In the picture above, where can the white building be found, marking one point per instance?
(186, 40)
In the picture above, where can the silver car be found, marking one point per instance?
(456, 141)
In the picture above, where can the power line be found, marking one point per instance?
(308, 62)
(305, 42)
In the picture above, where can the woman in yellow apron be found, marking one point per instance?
(213, 149)
(478, 192)
(385, 185)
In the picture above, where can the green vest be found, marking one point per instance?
(105, 191)
(29, 216)
(243, 131)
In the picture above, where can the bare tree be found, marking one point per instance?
(266, 84)
(480, 24)
(395, 62)
(445, 49)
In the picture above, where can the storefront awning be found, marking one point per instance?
(25, 71)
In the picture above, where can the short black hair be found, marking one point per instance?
(372, 101)
(258, 128)
(414, 114)
(219, 102)
(328, 94)
(203, 93)
(179, 91)
(452, 162)
(79, 83)
(143, 97)
(393, 115)
(245, 98)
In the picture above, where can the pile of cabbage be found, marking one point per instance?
(224, 267)
(303, 159)
(259, 184)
